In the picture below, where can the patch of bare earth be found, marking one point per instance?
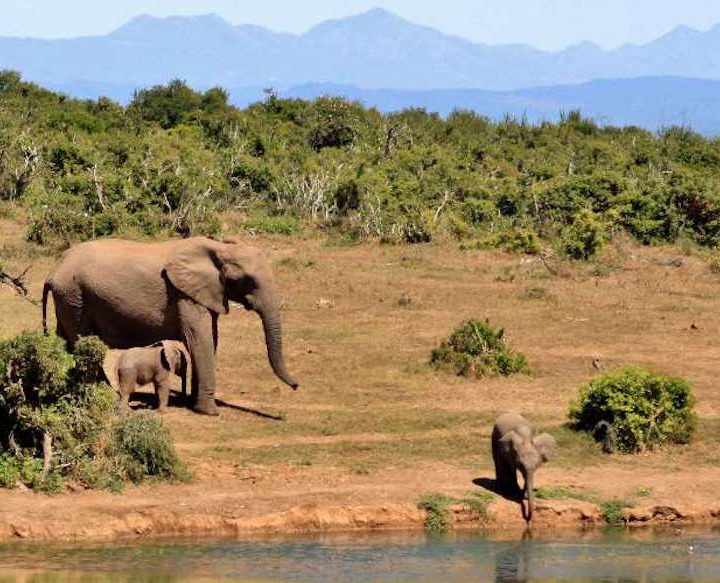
(373, 427)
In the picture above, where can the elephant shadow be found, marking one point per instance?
(491, 485)
(144, 400)
(140, 400)
(249, 410)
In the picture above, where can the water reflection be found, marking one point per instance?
(615, 556)
(512, 565)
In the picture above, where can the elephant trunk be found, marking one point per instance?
(530, 496)
(269, 311)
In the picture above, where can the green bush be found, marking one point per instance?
(437, 518)
(144, 448)
(50, 396)
(477, 349)
(274, 225)
(633, 409)
(9, 471)
(613, 511)
(436, 507)
(584, 237)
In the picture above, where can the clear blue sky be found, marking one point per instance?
(547, 24)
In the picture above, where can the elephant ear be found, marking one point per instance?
(195, 270)
(511, 439)
(170, 357)
(546, 446)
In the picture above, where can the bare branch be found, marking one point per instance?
(446, 199)
(17, 283)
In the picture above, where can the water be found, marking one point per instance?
(641, 555)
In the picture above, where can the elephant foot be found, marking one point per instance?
(206, 407)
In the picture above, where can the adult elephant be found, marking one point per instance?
(134, 294)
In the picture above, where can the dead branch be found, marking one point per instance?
(547, 265)
(47, 453)
(17, 283)
(98, 182)
(446, 199)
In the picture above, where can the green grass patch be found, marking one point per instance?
(274, 225)
(613, 511)
(536, 293)
(563, 493)
(437, 519)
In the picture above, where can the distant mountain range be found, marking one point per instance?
(650, 102)
(389, 62)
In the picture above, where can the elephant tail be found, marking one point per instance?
(47, 288)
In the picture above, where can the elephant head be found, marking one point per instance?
(528, 454)
(215, 272)
(173, 359)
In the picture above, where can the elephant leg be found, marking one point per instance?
(127, 381)
(183, 382)
(215, 332)
(505, 473)
(72, 321)
(197, 331)
(162, 389)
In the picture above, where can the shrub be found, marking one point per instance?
(437, 519)
(50, 397)
(635, 409)
(143, 448)
(475, 348)
(274, 225)
(584, 237)
(613, 511)
(436, 506)
(333, 123)
(9, 471)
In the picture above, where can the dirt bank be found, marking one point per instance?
(301, 504)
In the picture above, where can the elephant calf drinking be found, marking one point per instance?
(515, 449)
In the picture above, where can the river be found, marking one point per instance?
(668, 555)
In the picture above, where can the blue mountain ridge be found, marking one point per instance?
(389, 62)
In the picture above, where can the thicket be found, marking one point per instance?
(632, 409)
(180, 161)
(59, 421)
(476, 348)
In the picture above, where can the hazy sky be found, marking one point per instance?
(547, 24)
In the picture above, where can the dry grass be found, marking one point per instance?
(360, 324)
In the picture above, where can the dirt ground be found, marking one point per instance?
(373, 427)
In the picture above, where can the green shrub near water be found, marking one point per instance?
(478, 349)
(632, 409)
(47, 392)
(436, 506)
(144, 448)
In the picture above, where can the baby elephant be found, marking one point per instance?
(515, 449)
(152, 364)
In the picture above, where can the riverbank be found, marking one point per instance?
(301, 505)
(373, 428)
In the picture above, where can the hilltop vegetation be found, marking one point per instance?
(177, 161)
